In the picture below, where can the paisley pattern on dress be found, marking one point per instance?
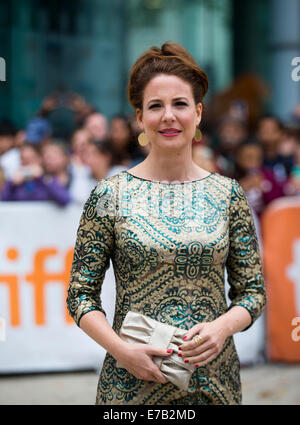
(169, 245)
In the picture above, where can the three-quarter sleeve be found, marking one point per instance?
(92, 253)
(244, 264)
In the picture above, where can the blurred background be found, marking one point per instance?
(66, 123)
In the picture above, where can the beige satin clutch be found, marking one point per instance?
(137, 328)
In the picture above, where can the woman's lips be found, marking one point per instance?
(170, 134)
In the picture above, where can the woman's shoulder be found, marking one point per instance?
(228, 183)
(106, 191)
(107, 184)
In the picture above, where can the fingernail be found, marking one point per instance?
(185, 337)
(179, 354)
(179, 348)
(169, 351)
(186, 361)
(196, 365)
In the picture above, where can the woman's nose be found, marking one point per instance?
(168, 114)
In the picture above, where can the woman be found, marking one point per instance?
(168, 266)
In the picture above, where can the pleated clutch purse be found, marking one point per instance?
(138, 328)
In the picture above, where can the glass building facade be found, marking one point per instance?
(88, 46)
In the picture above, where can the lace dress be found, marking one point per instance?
(169, 244)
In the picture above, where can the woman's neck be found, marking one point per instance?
(169, 169)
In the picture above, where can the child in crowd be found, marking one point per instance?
(30, 183)
(293, 185)
(258, 182)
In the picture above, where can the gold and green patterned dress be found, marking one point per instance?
(169, 244)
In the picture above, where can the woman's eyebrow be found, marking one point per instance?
(175, 98)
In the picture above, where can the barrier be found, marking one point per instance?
(36, 250)
(281, 236)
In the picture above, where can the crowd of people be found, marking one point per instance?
(47, 162)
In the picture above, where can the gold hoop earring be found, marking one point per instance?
(143, 139)
(198, 135)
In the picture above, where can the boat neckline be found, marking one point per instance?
(170, 184)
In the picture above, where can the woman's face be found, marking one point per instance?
(170, 115)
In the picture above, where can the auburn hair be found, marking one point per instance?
(171, 59)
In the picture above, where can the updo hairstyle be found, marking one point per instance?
(170, 59)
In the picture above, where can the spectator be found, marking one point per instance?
(30, 183)
(204, 157)
(127, 151)
(134, 125)
(293, 185)
(97, 125)
(80, 140)
(79, 170)
(295, 118)
(288, 145)
(258, 182)
(56, 162)
(80, 107)
(38, 130)
(64, 111)
(9, 154)
(20, 138)
(270, 134)
(98, 157)
(230, 134)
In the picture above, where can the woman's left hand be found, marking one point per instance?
(212, 337)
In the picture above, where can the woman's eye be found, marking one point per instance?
(155, 105)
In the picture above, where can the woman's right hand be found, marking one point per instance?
(137, 359)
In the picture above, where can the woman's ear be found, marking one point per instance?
(199, 112)
(139, 118)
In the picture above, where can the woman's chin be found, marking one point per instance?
(170, 145)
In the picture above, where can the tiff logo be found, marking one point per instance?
(296, 332)
(296, 71)
(2, 69)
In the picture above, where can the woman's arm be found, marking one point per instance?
(93, 249)
(95, 325)
(244, 263)
(234, 320)
(136, 358)
(92, 252)
(247, 290)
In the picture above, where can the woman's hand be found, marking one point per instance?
(212, 337)
(137, 359)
